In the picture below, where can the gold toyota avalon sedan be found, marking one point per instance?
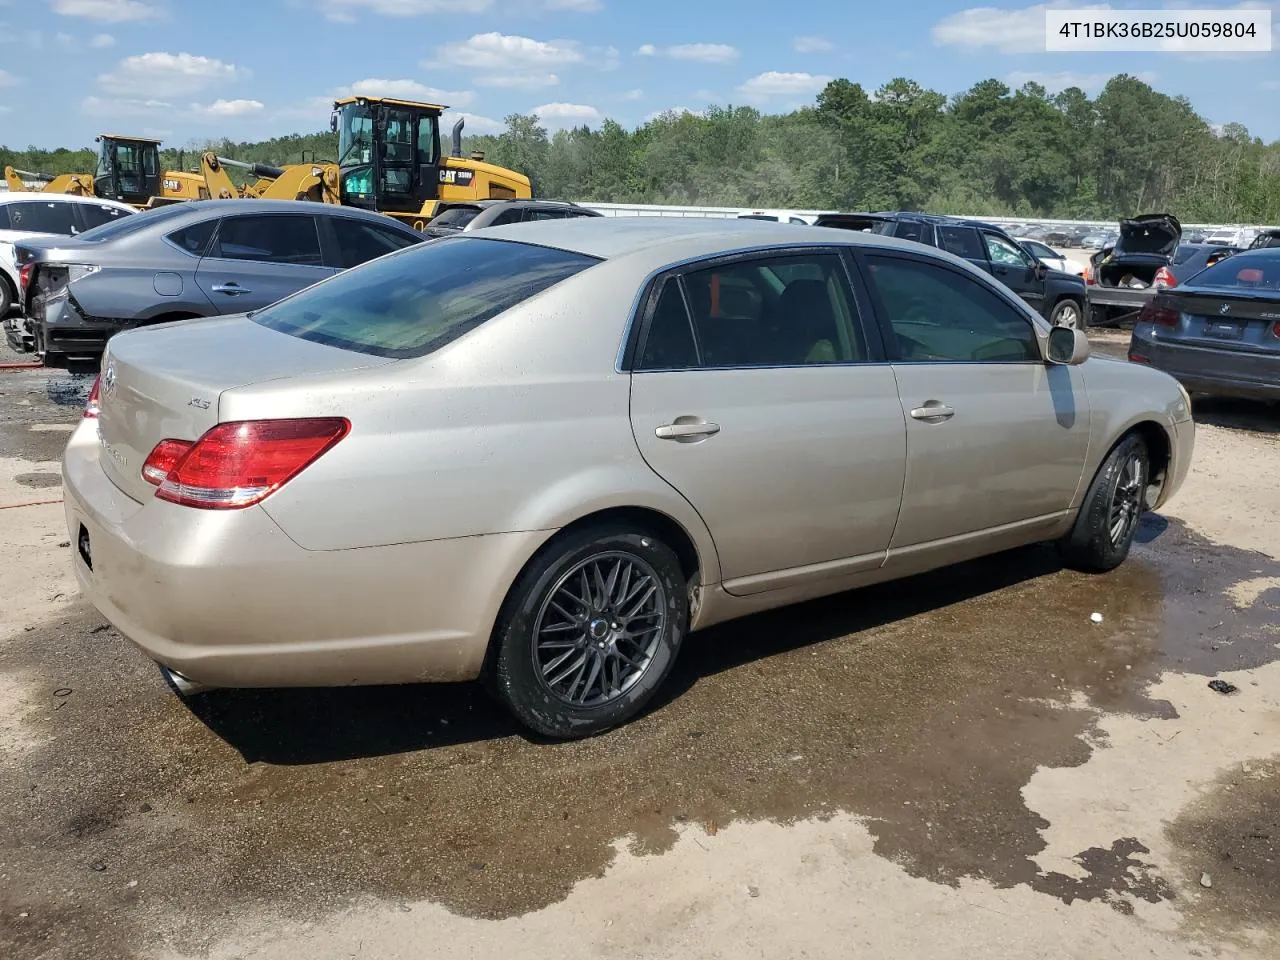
(542, 454)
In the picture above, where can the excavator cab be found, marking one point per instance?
(388, 153)
(128, 169)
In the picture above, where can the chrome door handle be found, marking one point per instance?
(233, 289)
(933, 412)
(687, 430)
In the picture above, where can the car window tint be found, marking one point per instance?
(359, 242)
(455, 217)
(938, 314)
(95, 214)
(962, 241)
(914, 230)
(747, 315)
(1002, 251)
(279, 238)
(669, 344)
(416, 301)
(195, 238)
(1257, 272)
(42, 216)
(545, 215)
(506, 216)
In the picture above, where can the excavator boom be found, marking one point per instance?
(77, 184)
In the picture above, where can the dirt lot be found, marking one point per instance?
(962, 765)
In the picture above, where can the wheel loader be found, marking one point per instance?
(389, 160)
(128, 170)
(300, 181)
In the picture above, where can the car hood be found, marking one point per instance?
(1157, 233)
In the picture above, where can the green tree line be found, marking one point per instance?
(990, 150)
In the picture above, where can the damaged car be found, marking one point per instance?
(1123, 278)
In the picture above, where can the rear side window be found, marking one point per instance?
(962, 241)
(95, 215)
(455, 217)
(545, 215)
(419, 300)
(914, 230)
(195, 238)
(359, 242)
(1250, 273)
(43, 216)
(279, 238)
(506, 216)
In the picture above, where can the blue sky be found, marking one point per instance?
(251, 69)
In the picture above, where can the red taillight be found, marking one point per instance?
(1159, 314)
(1275, 329)
(92, 405)
(24, 276)
(1089, 277)
(163, 459)
(1164, 278)
(238, 464)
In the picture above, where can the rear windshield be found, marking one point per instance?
(134, 223)
(410, 303)
(455, 217)
(1241, 272)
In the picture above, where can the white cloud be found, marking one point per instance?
(1053, 82)
(7, 79)
(100, 107)
(811, 44)
(677, 111)
(475, 124)
(702, 52)
(517, 62)
(575, 6)
(567, 114)
(345, 11)
(102, 41)
(772, 83)
(228, 108)
(518, 81)
(405, 90)
(173, 73)
(1009, 31)
(108, 11)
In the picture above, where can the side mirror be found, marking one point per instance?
(1041, 269)
(1068, 346)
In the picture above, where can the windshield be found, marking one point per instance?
(411, 303)
(355, 148)
(1241, 272)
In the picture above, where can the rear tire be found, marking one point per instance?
(1068, 313)
(7, 297)
(1113, 506)
(589, 631)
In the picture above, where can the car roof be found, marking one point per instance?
(23, 195)
(678, 238)
(196, 210)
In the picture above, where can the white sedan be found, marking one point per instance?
(1051, 257)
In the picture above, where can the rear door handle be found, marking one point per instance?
(687, 430)
(230, 288)
(933, 412)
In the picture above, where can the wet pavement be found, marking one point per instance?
(134, 818)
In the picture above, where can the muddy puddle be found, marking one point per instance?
(924, 706)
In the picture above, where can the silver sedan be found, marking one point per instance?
(544, 453)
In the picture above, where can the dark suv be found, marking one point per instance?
(453, 218)
(1058, 296)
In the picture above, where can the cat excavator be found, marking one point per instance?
(128, 170)
(390, 160)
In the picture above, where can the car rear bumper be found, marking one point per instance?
(1226, 373)
(225, 598)
(65, 330)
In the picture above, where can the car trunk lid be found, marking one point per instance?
(1156, 233)
(1241, 320)
(163, 383)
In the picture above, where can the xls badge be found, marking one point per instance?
(457, 178)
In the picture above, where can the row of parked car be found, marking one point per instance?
(74, 271)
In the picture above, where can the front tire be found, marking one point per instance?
(590, 631)
(1068, 313)
(1108, 519)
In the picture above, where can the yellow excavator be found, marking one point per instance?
(300, 181)
(390, 160)
(128, 170)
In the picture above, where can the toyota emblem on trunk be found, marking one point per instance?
(1224, 309)
(109, 379)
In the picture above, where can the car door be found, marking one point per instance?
(257, 259)
(757, 394)
(1012, 267)
(994, 435)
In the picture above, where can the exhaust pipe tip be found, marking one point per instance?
(181, 685)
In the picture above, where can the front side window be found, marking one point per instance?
(420, 299)
(770, 312)
(1003, 252)
(277, 238)
(359, 242)
(940, 315)
(42, 216)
